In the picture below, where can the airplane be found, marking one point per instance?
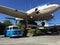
(41, 13)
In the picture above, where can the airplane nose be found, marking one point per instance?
(57, 5)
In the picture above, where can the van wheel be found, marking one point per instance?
(5, 36)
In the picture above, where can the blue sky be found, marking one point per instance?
(25, 5)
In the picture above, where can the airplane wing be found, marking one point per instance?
(12, 12)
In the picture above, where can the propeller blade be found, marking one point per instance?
(36, 9)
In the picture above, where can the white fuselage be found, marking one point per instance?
(44, 11)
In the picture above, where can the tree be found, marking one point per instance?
(2, 28)
(7, 22)
(22, 26)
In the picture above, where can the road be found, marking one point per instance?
(38, 40)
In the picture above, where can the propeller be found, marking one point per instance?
(36, 11)
(53, 19)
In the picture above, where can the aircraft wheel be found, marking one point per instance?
(43, 23)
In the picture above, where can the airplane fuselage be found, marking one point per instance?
(44, 12)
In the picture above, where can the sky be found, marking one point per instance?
(25, 5)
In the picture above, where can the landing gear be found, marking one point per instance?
(42, 24)
(28, 25)
(25, 30)
(42, 27)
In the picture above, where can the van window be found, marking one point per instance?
(10, 28)
(15, 27)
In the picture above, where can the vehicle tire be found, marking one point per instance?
(5, 36)
(11, 37)
(57, 33)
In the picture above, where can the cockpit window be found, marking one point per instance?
(49, 3)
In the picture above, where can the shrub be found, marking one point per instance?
(38, 32)
(35, 32)
(31, 31)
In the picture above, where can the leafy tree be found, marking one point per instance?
(22, 26)
(7, 22)
(2, 28)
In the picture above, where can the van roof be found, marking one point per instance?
(12, 26)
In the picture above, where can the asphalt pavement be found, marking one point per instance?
(37, 40)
